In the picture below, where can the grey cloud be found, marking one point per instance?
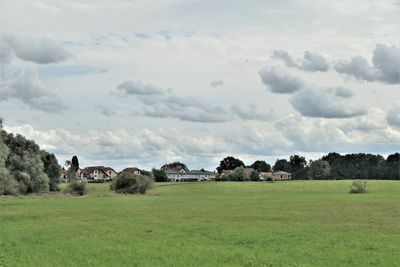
(393, 115)
(160, 103)
(385, 65)
(31, 91)
(217, 83)
(323, 103)
(139, 88)
(343, 92)
(106, 111)
(279, 82)
(42, 51)
(311, 61)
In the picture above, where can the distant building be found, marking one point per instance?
(181, 175)
(280, 175)
(97, 174)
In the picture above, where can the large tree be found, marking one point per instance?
(52, 169)
(229, 163)
(25, 164)
(159, 175)
(319, 169)
(281, 165)
(261, 166)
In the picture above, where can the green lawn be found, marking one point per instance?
(307, 223)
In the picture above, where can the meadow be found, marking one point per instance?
(294, 223)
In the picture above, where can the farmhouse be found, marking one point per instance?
(97, 174)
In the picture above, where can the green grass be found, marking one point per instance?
(307, 223)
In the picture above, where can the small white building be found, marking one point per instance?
(280, 175)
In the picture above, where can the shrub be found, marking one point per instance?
(77, 188)
(130, 183)
(358, 187)
(8, 185)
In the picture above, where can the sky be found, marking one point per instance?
(144, 82)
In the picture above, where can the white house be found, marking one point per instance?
(280, 175)
(181, 175)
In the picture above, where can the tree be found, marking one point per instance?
(238, 174)
(73, 168)
(319, 169)
(281, 165)
(255, 175)
(25, 164)
(174, 165)
(261, 166)
(229, 163)
(52, 169)
(159, 175)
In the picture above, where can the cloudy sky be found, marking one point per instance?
(144, 82)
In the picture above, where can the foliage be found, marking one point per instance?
(52, 169)
(8, 185)
(132, 183)
(319, 169)
(238, 174)
(358, 187)
(261, 166)
(229, 163)
(25, 164)
(173, 165)
(281, 165)
(255, 175)
(77, 188)
(159, 175)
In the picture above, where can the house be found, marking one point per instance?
(132, 170)
(175, 174)
(280, 175)
(97, 174)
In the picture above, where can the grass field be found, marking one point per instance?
(308, 223)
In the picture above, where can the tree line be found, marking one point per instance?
(332, 166)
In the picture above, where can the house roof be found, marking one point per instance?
(89, 170)
(131, 169)
(281, 172)
(174, 170)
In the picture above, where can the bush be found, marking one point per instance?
(130, 183)
(77, 188)
(358, 187)
(8, 185)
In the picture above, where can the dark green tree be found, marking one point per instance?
(159, 175)
(52, 169)
(281, 165)
(229, 163)
(261, 166)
